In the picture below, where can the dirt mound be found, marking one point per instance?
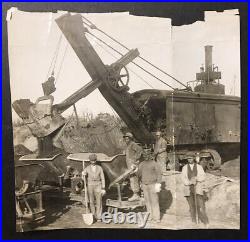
(223, 198)
(224, 202)
(231, 168)
(101, 134)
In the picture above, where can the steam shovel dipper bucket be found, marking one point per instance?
(87, 216)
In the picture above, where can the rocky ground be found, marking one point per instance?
(223, 208)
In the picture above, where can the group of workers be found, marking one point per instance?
(147, 173)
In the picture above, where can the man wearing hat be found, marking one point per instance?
(96, 186)
(160, 151)
(149, 172)
(193, 177)
(133, 154)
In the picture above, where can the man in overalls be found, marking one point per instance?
(133, 154)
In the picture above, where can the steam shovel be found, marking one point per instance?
(87, 216)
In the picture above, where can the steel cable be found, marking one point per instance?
(131, 61)
(54, 59)
(127, 67)
(92, 26)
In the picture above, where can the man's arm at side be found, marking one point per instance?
(138, 152)
(184, 176)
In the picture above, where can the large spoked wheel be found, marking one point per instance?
(119, 78)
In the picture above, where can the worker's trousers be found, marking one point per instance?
(134, 184)
(201, 209)
(95, 200)
(152, 201)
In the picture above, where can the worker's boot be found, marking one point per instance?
(134, 197)
(157, 221)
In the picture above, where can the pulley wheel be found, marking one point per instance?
(119, 78)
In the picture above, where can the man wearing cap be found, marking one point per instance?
(193, 177)
(160, 151)
(96, 186)
(133, 154)
(200, 162)
(149, 173)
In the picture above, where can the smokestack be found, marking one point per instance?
(208, 58)
(209, 76)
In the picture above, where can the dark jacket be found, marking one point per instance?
(133, 154)
(149, 172)
(160, 150)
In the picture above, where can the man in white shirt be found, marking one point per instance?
(193, 177)
(96, 186)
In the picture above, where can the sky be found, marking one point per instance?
(222, 31)
(33, 39)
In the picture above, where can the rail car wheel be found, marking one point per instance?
(214, 161)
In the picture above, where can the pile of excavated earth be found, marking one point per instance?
(103, 135)
(223, 197)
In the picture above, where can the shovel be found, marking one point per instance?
(87, 216)
(196, 206)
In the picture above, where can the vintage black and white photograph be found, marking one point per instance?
(125, 121)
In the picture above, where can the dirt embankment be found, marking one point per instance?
(102, 135)
(223, 195)
(231, 168)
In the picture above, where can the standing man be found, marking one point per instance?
(96, 186)
(203, 163)
(160, 151)
(193, 176)
(149, 172)
(133, 154)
